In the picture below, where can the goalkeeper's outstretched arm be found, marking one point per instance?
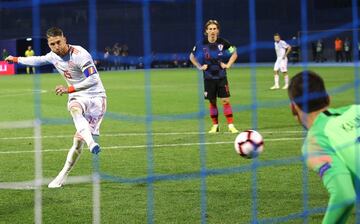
(342, 198)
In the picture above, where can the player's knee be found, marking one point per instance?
(225, 101)
(75, 109)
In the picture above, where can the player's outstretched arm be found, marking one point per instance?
(33, 60)
(195, 62)
(11, 59)
(342, 198)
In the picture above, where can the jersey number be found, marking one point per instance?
(206, 53)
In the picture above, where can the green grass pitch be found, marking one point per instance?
(279, 188)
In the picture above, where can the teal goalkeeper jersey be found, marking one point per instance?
(332, 142)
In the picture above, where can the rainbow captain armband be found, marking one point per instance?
(90, 71)
(71, 89)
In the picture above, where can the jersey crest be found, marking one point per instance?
(221, 47)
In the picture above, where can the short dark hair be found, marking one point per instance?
(211, 22)
(54, 32)
(315, 98)
(276, 34)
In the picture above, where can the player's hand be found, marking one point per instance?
(11, 59)
(203, 67)
(284, 57)
(60, 90)
(224, 66)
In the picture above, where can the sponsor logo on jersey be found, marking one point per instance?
(90, 71)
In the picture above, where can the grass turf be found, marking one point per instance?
(229, 196)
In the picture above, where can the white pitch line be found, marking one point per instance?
(17, 124)
(26, 93)
(30, 185)
(154, 146)
(144, 134)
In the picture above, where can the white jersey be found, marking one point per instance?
(77, 68)
(280, 48)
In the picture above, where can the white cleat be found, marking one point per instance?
(57, 182)
(285, 87)
(214, 129)
(274, 87)
(232, 129)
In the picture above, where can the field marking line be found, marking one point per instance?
(143, 134)
(17, 124)
(31, 185)
(155, 146)
(22, 93)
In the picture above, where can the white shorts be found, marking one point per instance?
(281, 64)
(93, 108)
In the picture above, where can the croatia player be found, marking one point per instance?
(331, 147)
(210, 56)
(282, 50)
(86, 94)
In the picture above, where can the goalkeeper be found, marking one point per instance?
(332, 144)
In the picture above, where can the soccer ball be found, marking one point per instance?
(249, 144)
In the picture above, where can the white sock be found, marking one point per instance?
(286, 79)
(72, 156)
(82, 126)
(276, 79)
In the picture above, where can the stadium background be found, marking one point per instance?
(154, 185)
(172, 22)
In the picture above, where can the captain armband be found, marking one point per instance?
(232, 49)
(90, 71)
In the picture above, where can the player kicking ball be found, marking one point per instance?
(282, 50)
(86, 94)
(210, 56)
(332, 145)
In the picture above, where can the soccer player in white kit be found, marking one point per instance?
(86, 93)
(282, 50)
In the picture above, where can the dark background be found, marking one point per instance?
(173, 22)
